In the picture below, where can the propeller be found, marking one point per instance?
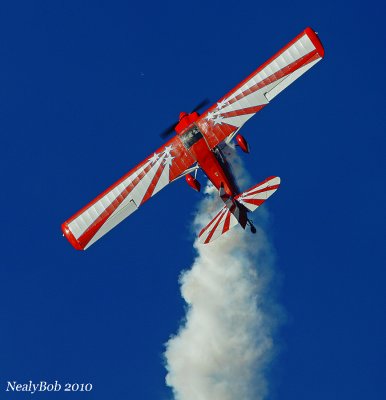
(169, 130)
(204, 103)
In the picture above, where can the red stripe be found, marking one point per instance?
(227, 223)
(251, 193)
(288, 69)
(203, 230)
(215, 135)
(153, 183)
(88, 234)
(182, 161)
(308, 31)
(242, 111)
(214, 229)
(256, 202)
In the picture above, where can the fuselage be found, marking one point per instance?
(214, 167)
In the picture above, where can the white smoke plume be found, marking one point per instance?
(225, 344)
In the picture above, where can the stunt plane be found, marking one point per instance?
(198, 144)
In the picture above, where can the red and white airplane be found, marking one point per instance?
(197, 144)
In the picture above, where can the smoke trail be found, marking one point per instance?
(224, 346)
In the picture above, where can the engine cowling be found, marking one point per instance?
(243, 144)
(193, 182)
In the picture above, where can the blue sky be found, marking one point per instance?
(86, 87)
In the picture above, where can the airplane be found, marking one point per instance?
(197, 144)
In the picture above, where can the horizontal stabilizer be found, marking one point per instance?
(256, 195)
(235, 210)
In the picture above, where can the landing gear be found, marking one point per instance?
(252, 227)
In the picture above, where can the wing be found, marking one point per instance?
(250, 96)
(125, 196)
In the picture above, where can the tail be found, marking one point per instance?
(235, 210)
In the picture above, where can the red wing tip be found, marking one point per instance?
(70, 237)
(315, 40)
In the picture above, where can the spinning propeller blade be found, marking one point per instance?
(168, 131)
(201, 105)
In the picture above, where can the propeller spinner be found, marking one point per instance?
(168, 131)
